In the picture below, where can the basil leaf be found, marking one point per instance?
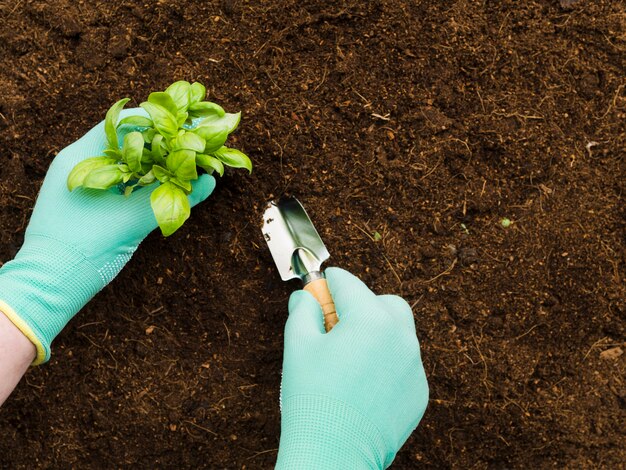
(209, 164)
(157, 149)
(189, 141)
(146, 156)
(197, 92)
(185, 184)
(228, 121)
(231, 121)
(149, 134)
(216, 142)
(147, 162)
(205, 109)
(80, 171)
(132, 150)
(234, 158)
(110, 123)
(103, 177)
(163, 99)
(180, 91)
(215, 131)
(147, 179)
(214, 136)
(181, 118)
(113, 153)
(162, 174)
(183, 164)
(163, 120)
(137, 121)
(170, 206)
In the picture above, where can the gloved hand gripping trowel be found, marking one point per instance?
(298, 251)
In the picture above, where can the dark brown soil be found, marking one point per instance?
(424, 121)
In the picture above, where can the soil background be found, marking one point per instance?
(409, 129)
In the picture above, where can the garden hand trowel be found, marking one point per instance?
(298, 251)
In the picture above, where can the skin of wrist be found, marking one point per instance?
(20, 333)
(17, 352)
(15, 342)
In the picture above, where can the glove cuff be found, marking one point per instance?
(319, 432)
(45, 285)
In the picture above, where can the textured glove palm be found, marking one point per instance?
(75, 244)
(349, 398)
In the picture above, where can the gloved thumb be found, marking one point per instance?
(202, 189)
(305, 316)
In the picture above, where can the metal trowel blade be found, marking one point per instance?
(295, 245)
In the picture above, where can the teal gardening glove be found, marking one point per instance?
(351, 397)
(75, 244)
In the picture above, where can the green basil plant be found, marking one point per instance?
(182, 133)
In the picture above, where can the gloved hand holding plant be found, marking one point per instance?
(77, 242)
(181, 133)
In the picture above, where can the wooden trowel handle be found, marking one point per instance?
(319, 290)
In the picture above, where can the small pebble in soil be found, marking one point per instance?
(468, 256)
(428, 251)
(611, 354)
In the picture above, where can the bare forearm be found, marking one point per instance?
(16, 354)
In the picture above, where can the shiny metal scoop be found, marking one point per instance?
(299, 252)
(296, 247)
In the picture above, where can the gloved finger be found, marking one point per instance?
(202, 189)
(305, 317)
(399, 310)
(350, 294)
